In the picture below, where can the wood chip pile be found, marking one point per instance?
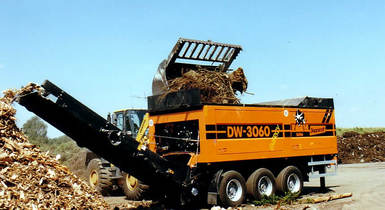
(359, 148)
(30, 179)
(215, 87)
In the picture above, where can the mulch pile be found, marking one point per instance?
(215, 87)
(30, 179)
(359, 148)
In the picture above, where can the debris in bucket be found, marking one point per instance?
(215, 87)
(30, 179)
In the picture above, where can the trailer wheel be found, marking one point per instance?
(232, 189)
(290, 180)
(261, 183)
(132, 187)
(99, 177)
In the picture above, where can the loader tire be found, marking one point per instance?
(290, 180)
(232, 189)
(133, 188)
(99, 177)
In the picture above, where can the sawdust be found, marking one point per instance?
(215, 87)
(30, 179)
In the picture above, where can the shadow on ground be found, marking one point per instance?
(310, 190)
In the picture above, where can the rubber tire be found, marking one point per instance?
(225, 178)
(282, 177)
(104, 183)
(132, 194)
(253, 180)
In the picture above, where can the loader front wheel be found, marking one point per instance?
(99, 177)
(132, 187)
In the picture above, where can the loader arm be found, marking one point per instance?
(91, 130)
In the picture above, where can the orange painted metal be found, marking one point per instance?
(236, 133)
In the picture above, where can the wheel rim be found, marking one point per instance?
(94, 178)
(131, 182)
(265, 186)
(234, 190)
(293, 183)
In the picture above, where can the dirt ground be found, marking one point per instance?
(365, 180)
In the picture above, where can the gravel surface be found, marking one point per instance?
(365, 180)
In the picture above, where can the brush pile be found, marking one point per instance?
(215, 87)
(359, 148)
(30, 179)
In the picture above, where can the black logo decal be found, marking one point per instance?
(300, 118)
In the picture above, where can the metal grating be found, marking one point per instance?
(209, 51)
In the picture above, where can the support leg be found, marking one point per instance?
(322, 179)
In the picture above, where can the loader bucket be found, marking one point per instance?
(189, 54)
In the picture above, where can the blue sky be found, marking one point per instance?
(105, 53)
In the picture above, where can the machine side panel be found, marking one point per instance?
(244, 133)
(171, 118)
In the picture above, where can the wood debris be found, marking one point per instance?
(325, 198)
(215, 87)
(30, 179)
(238, 80)
(359, 148)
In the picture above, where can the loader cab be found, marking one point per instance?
(128, 120)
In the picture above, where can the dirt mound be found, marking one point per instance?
(358, 148)
(349, 134)
(215, 87)
(30, 179)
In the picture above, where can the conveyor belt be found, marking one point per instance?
(91, 130)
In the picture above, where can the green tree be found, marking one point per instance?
(35, 127)
(36, 131)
